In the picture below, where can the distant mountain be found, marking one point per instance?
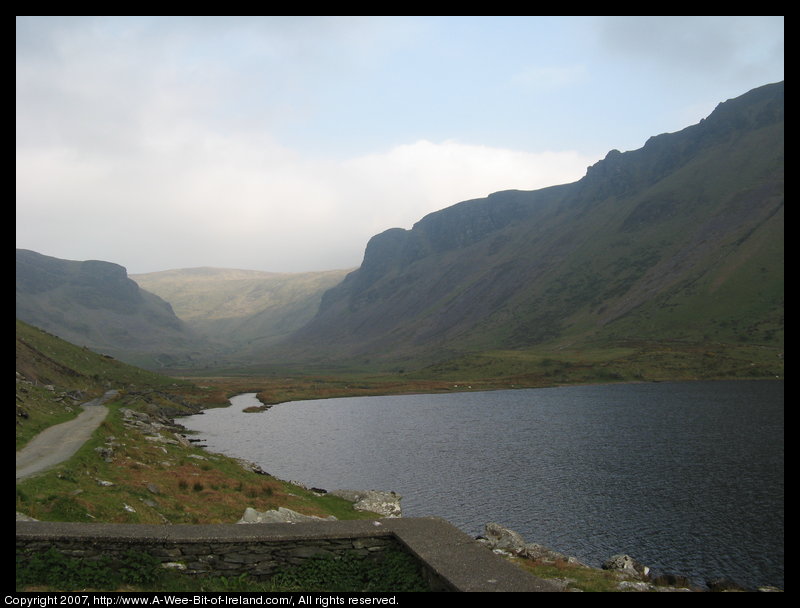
(679, 240)
(241, 310)
(94, 304)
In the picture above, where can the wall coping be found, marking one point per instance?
(455, 558)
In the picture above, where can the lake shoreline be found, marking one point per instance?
(473, 392)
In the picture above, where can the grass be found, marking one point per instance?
(170, 481)
(42, 408)
(160, 482)
(576, 577)
(622, 361)
(163, 481)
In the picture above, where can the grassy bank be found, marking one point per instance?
(123, 476)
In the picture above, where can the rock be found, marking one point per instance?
(23, 517)
(251, 466)
(627, 565)
(724, 584)
(500, 538)
(634, 586)
(183, 441)
(106, 453)
(672, 580)
(545, 554)
(386, 504)
(503, 539)
(276, 516)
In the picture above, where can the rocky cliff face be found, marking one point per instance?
(683, 223)
(94, 303)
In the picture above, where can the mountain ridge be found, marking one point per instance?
(518, 268)
(679, 240)
(94, 303)
(239, 310)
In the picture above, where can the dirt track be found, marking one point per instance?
(57, 443)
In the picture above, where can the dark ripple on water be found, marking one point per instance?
(687, 478)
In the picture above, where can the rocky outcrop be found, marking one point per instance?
(627, 565)
(96, 304)
(632, 575)
(276, 516)
(504, 540)
(516, 268)
(155, 427)
(374, 501)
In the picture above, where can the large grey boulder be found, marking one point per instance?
(627, 565)
(277, 516)
(383, 503)
(502, 539)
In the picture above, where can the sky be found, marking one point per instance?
(284, 143)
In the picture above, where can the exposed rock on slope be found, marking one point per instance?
(95, 304)
(681, 239)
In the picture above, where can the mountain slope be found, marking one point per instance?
(241, 308)
(94, 303)
(679, 240)
(55, 376)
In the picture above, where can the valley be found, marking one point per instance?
(664, 263)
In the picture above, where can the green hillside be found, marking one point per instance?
(662, 262)
(676, 245)
(240, 310)
(53, 377)
(94, 303)
(149, 472)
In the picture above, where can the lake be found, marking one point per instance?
(684, 477)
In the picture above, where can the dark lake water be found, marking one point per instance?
(685, 477)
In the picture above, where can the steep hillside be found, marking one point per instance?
(150, 472)
(241, 309)
(94, 303)
(681, 240)
(53, 376)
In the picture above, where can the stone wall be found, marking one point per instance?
(450, 560)
(203, 550)
(218, 557)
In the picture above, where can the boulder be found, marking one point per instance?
(627, 565)
(23, 517)
(500, 538)
(278, 516)
(545, 554)
(667, 579)
(724, 584)
(383, 503)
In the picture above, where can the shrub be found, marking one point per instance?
(393, 571)
(56, 570)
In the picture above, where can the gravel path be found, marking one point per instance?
(58, 443)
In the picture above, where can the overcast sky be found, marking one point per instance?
(285, 143)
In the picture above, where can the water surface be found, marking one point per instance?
(685, 477)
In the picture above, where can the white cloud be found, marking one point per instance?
(249, 202)
(286, 143)
(412, 180)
